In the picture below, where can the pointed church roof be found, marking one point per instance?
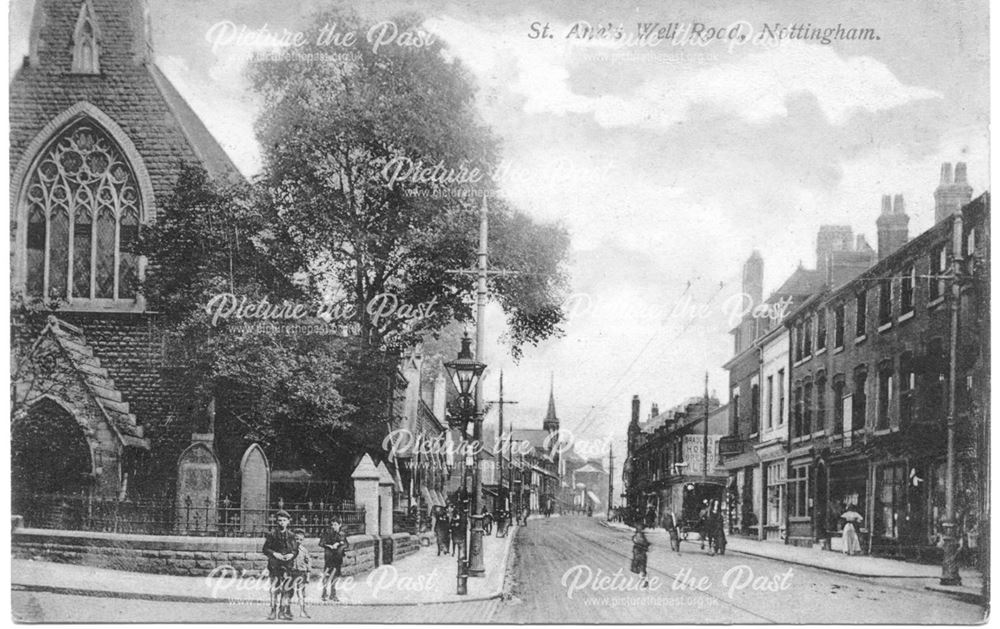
(550, 415)
(95, 380)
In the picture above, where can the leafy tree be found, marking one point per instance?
(336, 127)
(276, 385)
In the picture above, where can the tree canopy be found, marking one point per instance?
(368, 176)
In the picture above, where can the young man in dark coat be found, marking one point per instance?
(334, 545)
(457, 531)
(280, 549)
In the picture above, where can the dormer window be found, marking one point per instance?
(86, 36)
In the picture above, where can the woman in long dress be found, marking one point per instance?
(852, 544)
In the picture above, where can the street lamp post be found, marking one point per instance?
(949, 563)
(466, 371)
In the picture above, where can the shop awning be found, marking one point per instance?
(593, 498)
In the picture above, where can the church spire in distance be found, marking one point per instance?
(551, 423)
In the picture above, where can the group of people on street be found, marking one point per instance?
(289, 565)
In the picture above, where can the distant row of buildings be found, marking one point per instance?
(843, 401)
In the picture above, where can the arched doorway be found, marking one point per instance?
(50, 461)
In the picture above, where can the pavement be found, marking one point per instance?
(971, 589)
(422, 578)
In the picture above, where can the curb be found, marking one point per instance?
(177, 598)
(965, 597)
(810, 565)
(180, 598)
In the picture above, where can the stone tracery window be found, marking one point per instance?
(82, 174)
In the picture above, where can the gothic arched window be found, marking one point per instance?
(83, 215)
(86, 51)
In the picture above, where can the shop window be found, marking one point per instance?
(891, 493)
(775, 494)
(798, 498)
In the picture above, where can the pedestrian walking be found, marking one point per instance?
(301, 567)
(280, 548)
(851, 518)
(502, 521)
(703, 523)
(457, 526)
(640, 550)
(334, 544)
(442, 525)
(717, 529)
(487, 522)
(670, 523)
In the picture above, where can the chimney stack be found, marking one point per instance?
(893, 227)
(753, 278)
(635, 409)
(886, 204)
(653, 412)
(951, 194)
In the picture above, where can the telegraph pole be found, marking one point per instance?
(704, 448)
(501, 402)
(611, 479)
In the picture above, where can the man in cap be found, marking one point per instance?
(280, 549)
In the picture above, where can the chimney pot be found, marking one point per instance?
(897, 205)
(960, 174)
(886, 204)
(946, 173)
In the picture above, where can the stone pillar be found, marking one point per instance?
(385, 487)
(366, 492)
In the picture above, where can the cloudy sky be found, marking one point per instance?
(668, 164)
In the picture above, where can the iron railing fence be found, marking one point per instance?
(163, 517)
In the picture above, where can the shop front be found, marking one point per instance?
(847, 489)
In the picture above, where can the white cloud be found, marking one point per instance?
(754, 87)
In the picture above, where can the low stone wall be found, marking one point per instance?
(182, 555)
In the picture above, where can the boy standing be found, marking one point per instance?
(301, 566)
(279, 548)
(334, 545)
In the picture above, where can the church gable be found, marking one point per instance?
(98, 52)
(61, 365)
